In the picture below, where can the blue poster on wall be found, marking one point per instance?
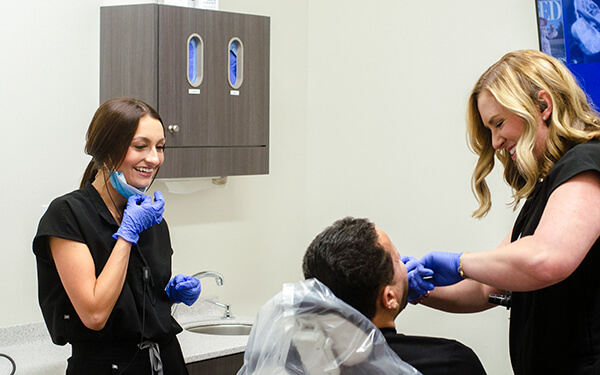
(570, 31)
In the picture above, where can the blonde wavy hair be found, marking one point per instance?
(515, 81)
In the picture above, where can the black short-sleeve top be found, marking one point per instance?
(143, 304)
(434, 355)
(556, 330)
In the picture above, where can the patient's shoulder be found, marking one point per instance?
(435, 355)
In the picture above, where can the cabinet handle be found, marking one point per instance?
(173, 128)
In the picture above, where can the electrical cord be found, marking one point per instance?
(148, 283)
(12, 362)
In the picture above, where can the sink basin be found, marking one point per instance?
(222, 329)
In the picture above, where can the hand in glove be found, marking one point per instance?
(184, 289)
(140, 214)
(444, 266)
(417, 286)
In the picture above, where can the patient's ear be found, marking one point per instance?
(389, 298)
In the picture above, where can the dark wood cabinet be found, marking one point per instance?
(214, 128)
(227, 365)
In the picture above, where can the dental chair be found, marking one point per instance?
(306, 330)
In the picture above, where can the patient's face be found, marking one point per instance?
(400, 276)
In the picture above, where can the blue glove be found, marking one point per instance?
(184, 289)
(444, 267)
(140, 214)
(417, 286)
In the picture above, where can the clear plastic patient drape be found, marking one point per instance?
(305, 329)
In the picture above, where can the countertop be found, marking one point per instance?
(32, 349)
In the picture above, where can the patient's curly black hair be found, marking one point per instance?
(349, 260)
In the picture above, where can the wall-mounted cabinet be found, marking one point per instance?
(180, 61)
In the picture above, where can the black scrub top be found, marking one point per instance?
(434, 355)
(556, 330)
(82, 216)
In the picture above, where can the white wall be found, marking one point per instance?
(49, 70)
(367, 119)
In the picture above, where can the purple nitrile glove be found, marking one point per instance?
(417, 285)
(444, 266)
(140, 214)
(184, 289)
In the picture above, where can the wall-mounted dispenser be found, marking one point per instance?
(173, 58)
(195, 67)
(236, 63)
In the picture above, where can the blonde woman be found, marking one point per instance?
(528, 112)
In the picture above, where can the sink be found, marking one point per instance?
(234, 329)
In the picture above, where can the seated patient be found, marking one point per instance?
(361, 266)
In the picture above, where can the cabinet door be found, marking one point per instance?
(129, 52)
(247, 112)
(192, 113)
(219, 115)
(227, 365)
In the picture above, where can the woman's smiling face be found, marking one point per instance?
(507, 127)
(145, 153)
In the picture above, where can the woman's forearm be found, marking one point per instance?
(467, 296)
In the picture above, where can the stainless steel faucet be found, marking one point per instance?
(226, 306)
(218, 277)
(200, 275)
